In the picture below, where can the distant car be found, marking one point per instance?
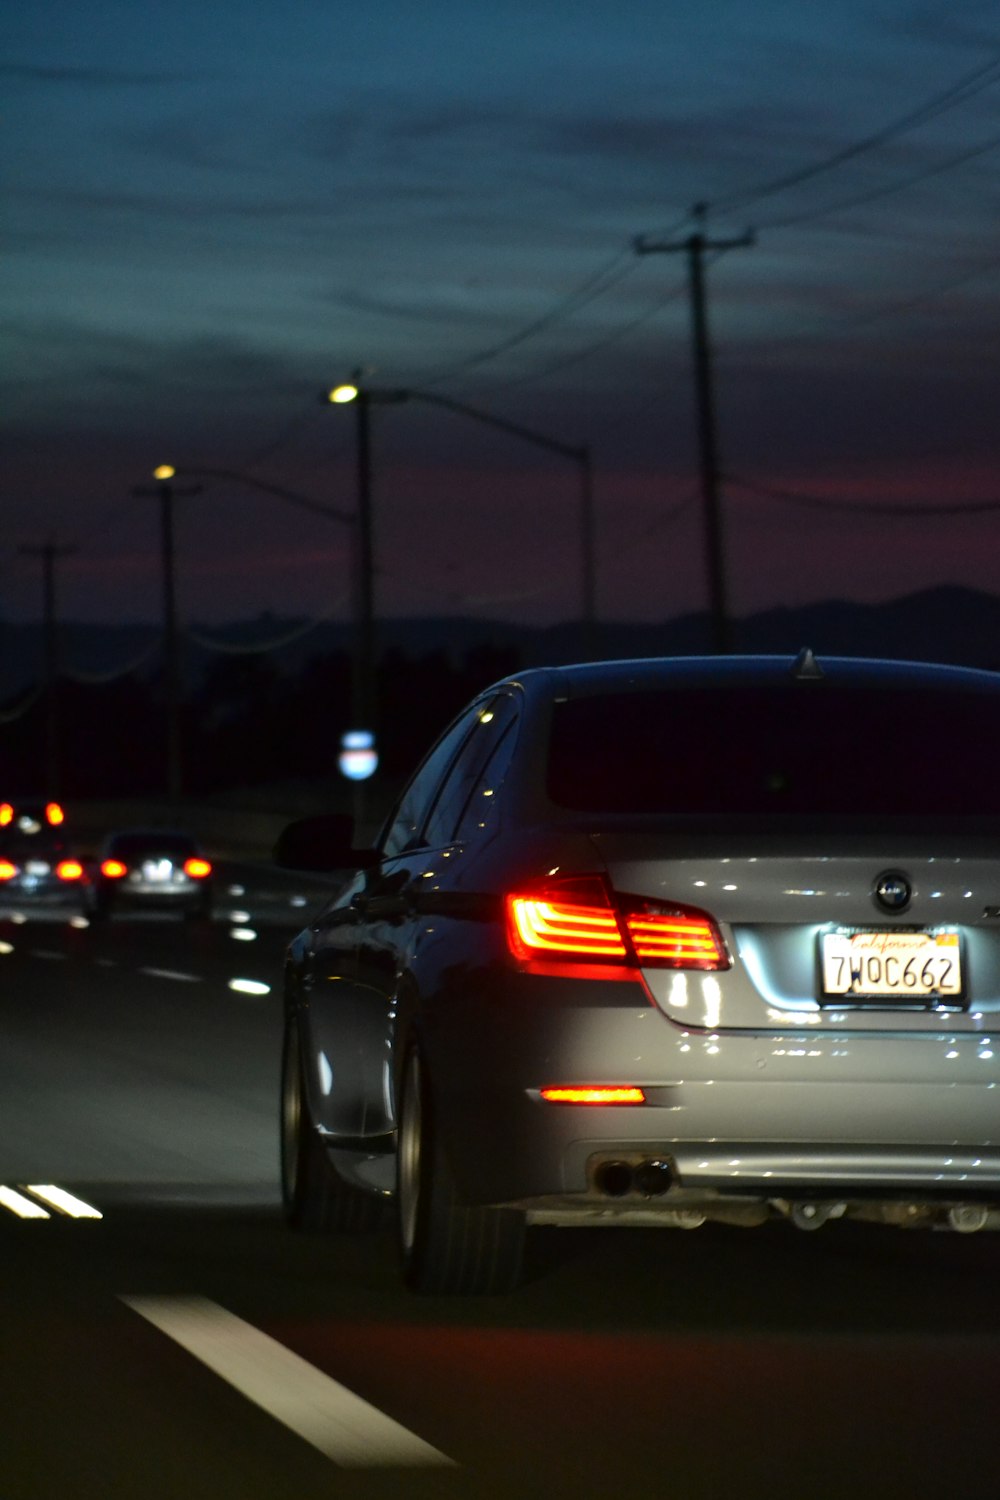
(37, 863)
(153, 869)
(654, 943)
(25, 818)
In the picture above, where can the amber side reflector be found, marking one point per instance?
(54, 813)
(113, 869)
(69, 869)
(197, 868)
(7, 870)
(677, 940)
(603, 1094)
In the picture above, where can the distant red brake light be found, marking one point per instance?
(6, 814)
(113, 869)
(197, 868)
(69, 869)
(576, 918)
(7, 870)
(54, 814)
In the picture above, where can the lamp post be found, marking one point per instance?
(166, 493)
(361, 397)
(49, 552)
(166, 472)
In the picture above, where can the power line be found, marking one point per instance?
(862, 199)
(595, 348)
(588, 291)
(290, 430)
(891, 310)
(863, 507)
(965, 88)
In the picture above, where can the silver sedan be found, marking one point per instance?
(659, 942)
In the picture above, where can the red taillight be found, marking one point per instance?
(554, 923)
(54, 813)
(197, 868)
(69, 869)
(594, 1094)
(6, 814)
(7, 870)
(113, 869)
(575, 918)
(677, 940)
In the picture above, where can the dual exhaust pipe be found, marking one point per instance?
(621, 1179)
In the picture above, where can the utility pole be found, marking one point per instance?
(695, 246)
(364, 573)
(166, 493)
(49, 552)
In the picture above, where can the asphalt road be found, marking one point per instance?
(185, 1344)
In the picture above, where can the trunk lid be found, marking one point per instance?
(811, 941)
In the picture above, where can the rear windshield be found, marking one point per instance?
(152, 843)
(810, 748)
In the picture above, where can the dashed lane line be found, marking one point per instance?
(33, 1201)
(171, 974)
(327, 1415)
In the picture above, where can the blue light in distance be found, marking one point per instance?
(358, 757)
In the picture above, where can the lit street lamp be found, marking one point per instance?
(166, 492)
(353, 392)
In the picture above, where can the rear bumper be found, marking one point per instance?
(748, 1115)
(164, 898)
(49, 893)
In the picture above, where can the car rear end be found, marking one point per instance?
(754, 963)
(37, 865)
(154, 871)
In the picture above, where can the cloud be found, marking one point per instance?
(973, 24)
(91, 77)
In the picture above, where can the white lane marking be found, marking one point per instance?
(23, 1207)
(47, 953)
(329, 1416)
(66, 1203)
(172, 974)
(249, 987)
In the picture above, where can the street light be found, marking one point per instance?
(164, 474)
(166, 492)
(354, 391)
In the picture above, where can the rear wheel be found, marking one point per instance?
(315, 1197)
(446, 1246)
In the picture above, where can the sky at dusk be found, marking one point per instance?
(215, 212)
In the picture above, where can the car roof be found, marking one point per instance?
(586, 678)
(151, 836)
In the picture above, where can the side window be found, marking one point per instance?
(418, 795)
(484, 798)
(494, 727)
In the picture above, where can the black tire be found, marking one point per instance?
(446, 1246)
(315, 1197)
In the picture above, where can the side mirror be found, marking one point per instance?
(321, 844)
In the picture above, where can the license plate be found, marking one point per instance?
(902, 966)
(36, 867)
